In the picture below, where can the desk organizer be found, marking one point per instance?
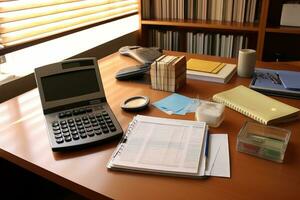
(263, 141)
(168, 73)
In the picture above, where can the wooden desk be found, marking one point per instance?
(23, 141)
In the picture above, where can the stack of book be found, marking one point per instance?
(216, 44)
(210, 71)
(168, 73)
(223, 45)
(221, 10)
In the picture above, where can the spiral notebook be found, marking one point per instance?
(162, 146)
(256, 105)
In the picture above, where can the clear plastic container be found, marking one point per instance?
(210, 112)
(263, 141)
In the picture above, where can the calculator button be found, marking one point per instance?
(95, 124)
(106, 117)
(98, 132)
(58, 136)
(56, 128)
(59, 140)
(56, 132)
(72, 125)
(93, 120)
(77, 119)
(112, 129)
(83, 135)
(65, 130)
(81, 131)
(88, 126)
(91, 134)
(63, 122)
(73, 129)
(74, 132)
(110, 124)
(86, 121)
(55, 124)
(70, 121)
(97, 128)
(103, 126)
(64, 126)
(89, 129)
(75, 137)
(68, 138)
(105, 130)
(92, 116)
(78, 123)
(108, 120)
(89, 110)
(80, 127)
(66, 134)
(68, 113)
(61, 115)
(82, 110)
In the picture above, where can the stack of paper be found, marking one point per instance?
(177, 104)
(168, 73)
(210, 71)
(171, 147)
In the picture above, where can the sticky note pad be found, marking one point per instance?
(204, 65)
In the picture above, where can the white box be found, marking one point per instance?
(290, 15)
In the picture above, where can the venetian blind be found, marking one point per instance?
(27, 20)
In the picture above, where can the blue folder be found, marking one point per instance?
(290, 79)
(276, 82)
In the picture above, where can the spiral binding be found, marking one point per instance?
(128, 131)
(239, 109)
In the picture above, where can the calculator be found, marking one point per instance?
(74, 104)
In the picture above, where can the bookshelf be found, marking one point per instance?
(253, 24)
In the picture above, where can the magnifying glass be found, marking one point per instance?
(135, 103)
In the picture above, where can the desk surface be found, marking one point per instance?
(24, 141)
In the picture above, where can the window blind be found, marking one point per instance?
(27, 20)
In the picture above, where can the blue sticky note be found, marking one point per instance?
(174, 102)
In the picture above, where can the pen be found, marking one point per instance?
(207, 144)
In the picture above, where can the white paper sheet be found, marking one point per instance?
(158, 144)
(218, 162)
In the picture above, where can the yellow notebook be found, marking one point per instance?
(256, 105)
(204, 65)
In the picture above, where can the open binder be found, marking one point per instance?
(162, 146)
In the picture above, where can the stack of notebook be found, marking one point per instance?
(210, 71)
(168, 73)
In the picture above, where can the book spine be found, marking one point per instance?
(238, 108)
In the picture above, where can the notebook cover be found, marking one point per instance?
(290, 79)
(256, 105)
(204, 65)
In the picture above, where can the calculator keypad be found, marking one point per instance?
(81, 127)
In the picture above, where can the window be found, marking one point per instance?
(35, 33)
(23, 21)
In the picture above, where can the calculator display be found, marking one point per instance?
(69, 84)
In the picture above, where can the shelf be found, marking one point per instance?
(283, 29)
(233, 26)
